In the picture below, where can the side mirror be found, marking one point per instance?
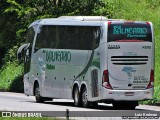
(20, 52)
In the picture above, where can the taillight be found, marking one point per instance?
(105, 80)
(151, 82)
(148, 23)
(109, 23)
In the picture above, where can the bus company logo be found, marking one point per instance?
(113, 46)
(130, 32)
(129, 71)
(129, 53)
(58, 56)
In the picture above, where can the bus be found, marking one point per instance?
(89, 59)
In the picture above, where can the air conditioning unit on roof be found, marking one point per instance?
(84, 18)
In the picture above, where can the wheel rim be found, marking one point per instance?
(84, 97)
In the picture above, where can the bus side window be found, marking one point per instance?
(81, 36)
(96, 37)
(28, 50)
(89, 38)
(52, 37)
(72, 37)
(38, 43)
(62, 43)
(85, 38)
(46, 37)
(68, 37)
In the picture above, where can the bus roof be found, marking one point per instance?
(84, 18)
(79, 20)
(74, 19)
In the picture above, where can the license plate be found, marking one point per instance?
(129, 93)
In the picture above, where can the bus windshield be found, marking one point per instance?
(129, 32)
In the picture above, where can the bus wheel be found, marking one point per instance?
(76, 95)
(85, 102)
(38, 97)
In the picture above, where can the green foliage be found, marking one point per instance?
(103, 9)
(10, 55)
(11, 77)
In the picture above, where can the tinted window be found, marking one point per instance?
(30, 34)
(46, 37)
(27, 52)
(61, 37)
(132, 31)
(68, 37)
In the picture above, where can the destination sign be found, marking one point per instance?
(134, 31)
(130, 31)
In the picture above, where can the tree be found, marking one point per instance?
(18, 14)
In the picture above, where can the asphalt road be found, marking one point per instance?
(20, 102)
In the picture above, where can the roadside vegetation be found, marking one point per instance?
(16, 15)
(11, 77)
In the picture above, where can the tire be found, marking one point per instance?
(77, 97)
(85, 102)
(38, 97)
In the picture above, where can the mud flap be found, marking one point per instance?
(94, 82)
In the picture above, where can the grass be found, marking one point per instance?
(143, 10)
(11, 77)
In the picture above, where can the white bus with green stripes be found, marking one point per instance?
(89, 59)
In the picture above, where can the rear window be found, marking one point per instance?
(129, 31)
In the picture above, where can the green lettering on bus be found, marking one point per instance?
(58, 56)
